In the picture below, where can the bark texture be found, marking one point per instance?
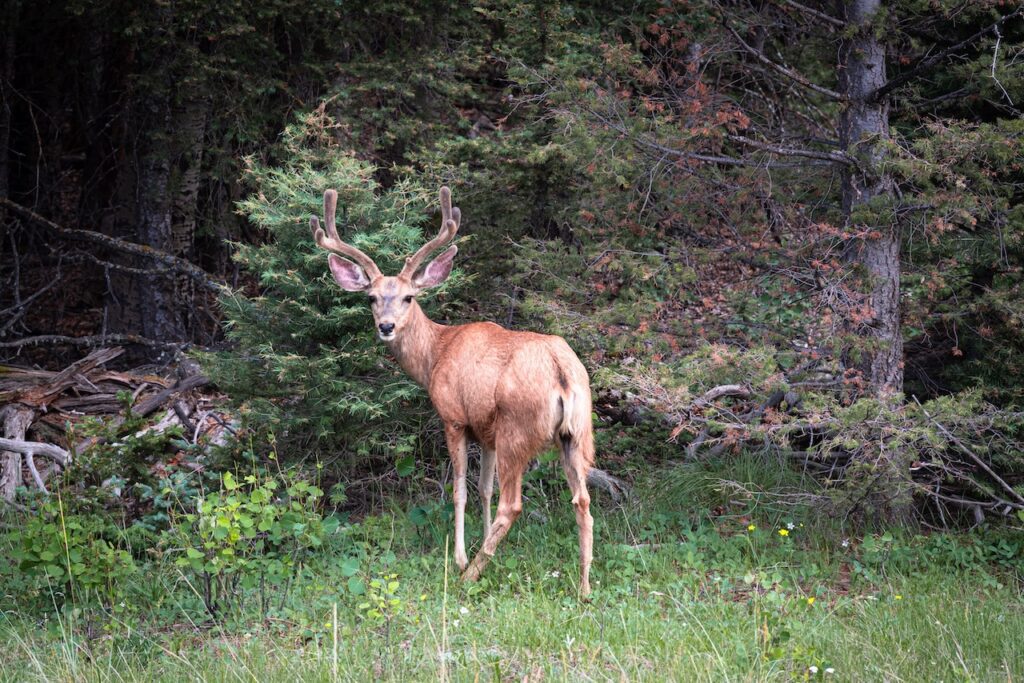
(15, 419)
(864, 131)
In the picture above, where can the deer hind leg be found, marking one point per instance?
(456, 438)
(576, 473)
(510, 504)
(486, 484)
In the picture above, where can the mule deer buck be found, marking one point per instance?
(514, 393)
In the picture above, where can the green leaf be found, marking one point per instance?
(418, 516)
(405, 466)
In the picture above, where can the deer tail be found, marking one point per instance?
(576, 429)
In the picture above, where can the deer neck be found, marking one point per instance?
(416, 347)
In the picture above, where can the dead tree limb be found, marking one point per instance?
(162, 258)
(791, 74)
(55, 453)
(94, 340)
(962, 447)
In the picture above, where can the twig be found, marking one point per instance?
(30, 460)
(785, 71)
(19, 310)
(817, 14)
(995, 57)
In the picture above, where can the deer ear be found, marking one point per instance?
(347, 274)
(437, 270)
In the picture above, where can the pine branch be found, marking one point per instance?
(927, 62)
(643, 142)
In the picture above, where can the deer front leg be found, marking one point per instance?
(486, 485)
(456, 438)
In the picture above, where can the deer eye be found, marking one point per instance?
(408, 299)
(373, 299)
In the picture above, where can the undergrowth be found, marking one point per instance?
(694, 579)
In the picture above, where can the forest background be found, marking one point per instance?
(784, 237)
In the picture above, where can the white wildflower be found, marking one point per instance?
(813, 669)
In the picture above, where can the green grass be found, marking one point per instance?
(676, 598)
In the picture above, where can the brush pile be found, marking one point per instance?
(45, 414)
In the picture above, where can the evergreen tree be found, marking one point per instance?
(307, 364)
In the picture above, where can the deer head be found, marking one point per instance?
(391, 297)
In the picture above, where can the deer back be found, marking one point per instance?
(508, 387)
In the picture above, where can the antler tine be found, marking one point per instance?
(450, 220)
(332, 242)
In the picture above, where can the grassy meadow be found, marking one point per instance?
(744, 590)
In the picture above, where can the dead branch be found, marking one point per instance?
(55, 453)
(30, 461)
(94, 340)
(164, 260)
(828, 18)
(724, 390)
(834, 157)
(960, 446)
(791, 74)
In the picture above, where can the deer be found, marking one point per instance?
(515, 393)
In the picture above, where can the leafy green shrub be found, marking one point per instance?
(249, 535)
(74, 556)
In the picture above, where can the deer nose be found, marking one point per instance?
(386, 328)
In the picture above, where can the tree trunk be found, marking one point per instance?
(160, 317)
(15, 420)
(190, 129)
(9, 20)
(874, 320)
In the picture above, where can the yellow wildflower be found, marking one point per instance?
(810, 600)
(751, 527)
(783, 532)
